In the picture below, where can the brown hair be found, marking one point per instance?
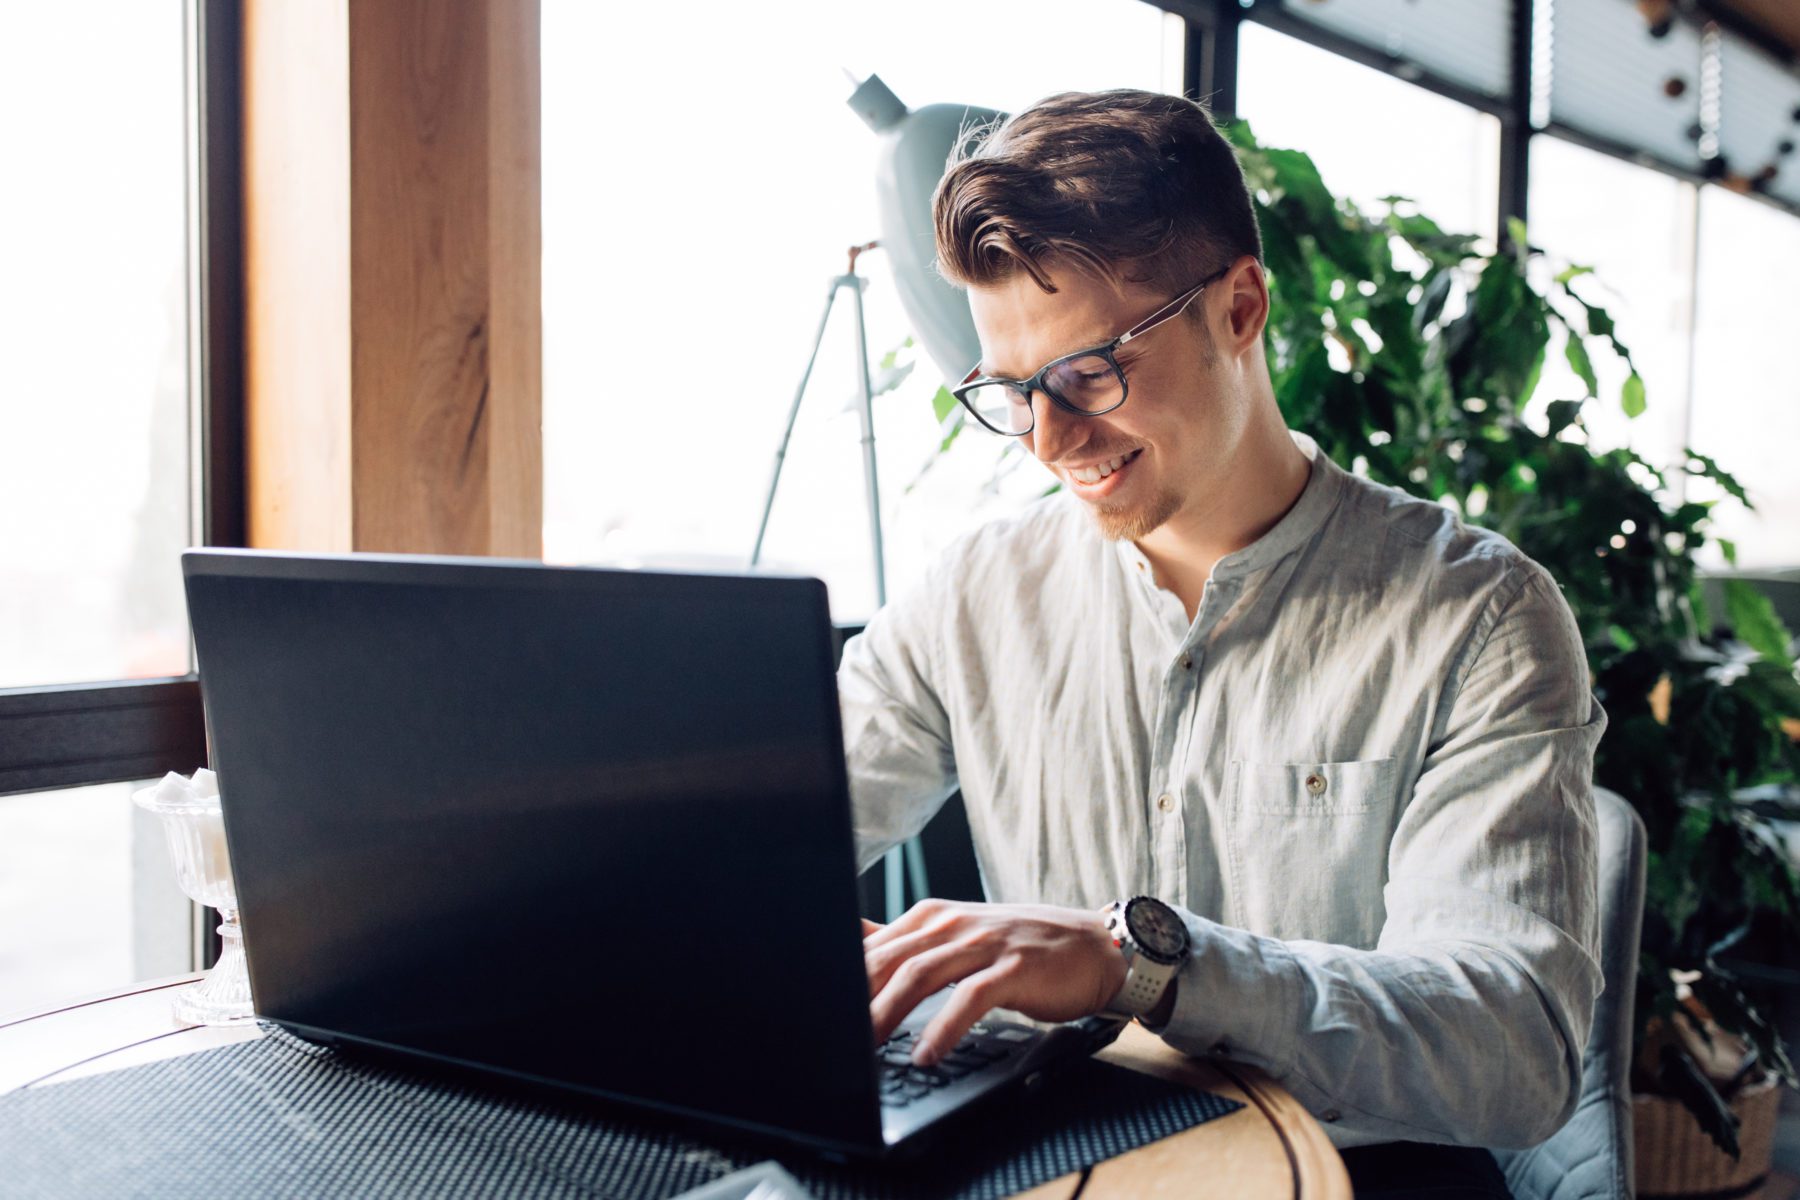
(1129, 186)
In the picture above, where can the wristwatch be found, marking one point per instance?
(1154, 940)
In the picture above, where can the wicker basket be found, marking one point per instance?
(1674, 1158)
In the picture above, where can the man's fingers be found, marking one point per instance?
(969, 1003)
(919, 916)
(883, 959)
(917, 978)
(870, 927)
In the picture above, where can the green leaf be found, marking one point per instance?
(1678, 1076)
(1728, 548)
(1774, 687)
(1583, 366)
(1599, 323)
(943, 404)
(1572, 272)
(1703, 624)
(1562, 414)
(1632, 397)
(1536, 373)
(956, 429)
(1699, 464)
(1431, 301)
(1754, 622)
(1515, 231)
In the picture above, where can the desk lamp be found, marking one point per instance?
(915, 146)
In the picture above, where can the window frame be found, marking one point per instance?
(1212, 75)
(69, 735)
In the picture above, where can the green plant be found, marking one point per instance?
(1412, 356)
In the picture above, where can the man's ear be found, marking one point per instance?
(1245, 307)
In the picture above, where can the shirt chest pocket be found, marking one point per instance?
(1308, 848)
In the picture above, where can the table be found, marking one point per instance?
(1269, 1148)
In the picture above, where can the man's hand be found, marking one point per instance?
(1052, 964)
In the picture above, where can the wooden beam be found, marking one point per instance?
(394, 342)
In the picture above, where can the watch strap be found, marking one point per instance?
(1145, 979)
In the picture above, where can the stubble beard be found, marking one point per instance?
(1129, 522)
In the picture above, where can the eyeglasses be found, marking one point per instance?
(1087, 383)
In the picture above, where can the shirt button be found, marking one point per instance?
(1330, 1114)
(1187, 663)
(1221, 1049)
(1315, 783)
(1166, 802)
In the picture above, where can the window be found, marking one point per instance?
(1746, 410)
(1635, 228)
(88, 899)
(698, 199)
(1347, 117)
(93, 328)
(119, 327)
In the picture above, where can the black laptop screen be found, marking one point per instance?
(587, 826)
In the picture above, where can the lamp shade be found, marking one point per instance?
(915, 146)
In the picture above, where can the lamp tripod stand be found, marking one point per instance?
(905, 864)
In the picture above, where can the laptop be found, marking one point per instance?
(575, 827)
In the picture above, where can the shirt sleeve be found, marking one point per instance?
(896, 730)
(1467, 1021)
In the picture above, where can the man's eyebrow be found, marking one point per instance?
(1091, 344)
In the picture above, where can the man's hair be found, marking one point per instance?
(1127, 186)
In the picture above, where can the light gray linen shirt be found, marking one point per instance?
(1363, 772)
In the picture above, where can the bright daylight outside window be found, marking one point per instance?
(1641, 252)
(93, 459)
(697, 203)
(1746, 393)
(1347, 116)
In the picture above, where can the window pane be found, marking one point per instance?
(1746, 390)
(698, 199)
(87, 897)
(1467, 43)
(1346, 115)
(1634, 227)
(93, 419)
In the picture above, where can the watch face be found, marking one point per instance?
(1157, 928)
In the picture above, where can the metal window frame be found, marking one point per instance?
(67, 736)
(1211, 67)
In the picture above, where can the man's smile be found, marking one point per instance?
(1098, 478)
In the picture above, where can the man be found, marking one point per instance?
(1345, 739)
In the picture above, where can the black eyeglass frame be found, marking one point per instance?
(1040, 382)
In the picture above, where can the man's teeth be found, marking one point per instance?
(1096, 474)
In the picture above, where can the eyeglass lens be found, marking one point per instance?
(1089, 384)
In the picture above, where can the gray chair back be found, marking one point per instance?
(1590, 1157)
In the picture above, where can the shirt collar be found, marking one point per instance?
(1297, 527)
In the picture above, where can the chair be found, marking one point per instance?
(1591, 1155)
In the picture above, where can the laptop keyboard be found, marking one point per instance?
(984, 1046)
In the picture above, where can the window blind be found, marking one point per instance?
(1608, 77)
(1759, 100)
(1462, 41)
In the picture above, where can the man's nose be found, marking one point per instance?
(1054, 432)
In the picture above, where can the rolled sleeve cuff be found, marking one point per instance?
(1238, 996)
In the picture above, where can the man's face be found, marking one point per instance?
(1164, 453)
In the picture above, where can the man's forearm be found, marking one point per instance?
(1450, 1042)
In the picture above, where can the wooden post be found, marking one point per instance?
(394, 389)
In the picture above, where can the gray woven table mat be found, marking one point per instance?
(281, 1117)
